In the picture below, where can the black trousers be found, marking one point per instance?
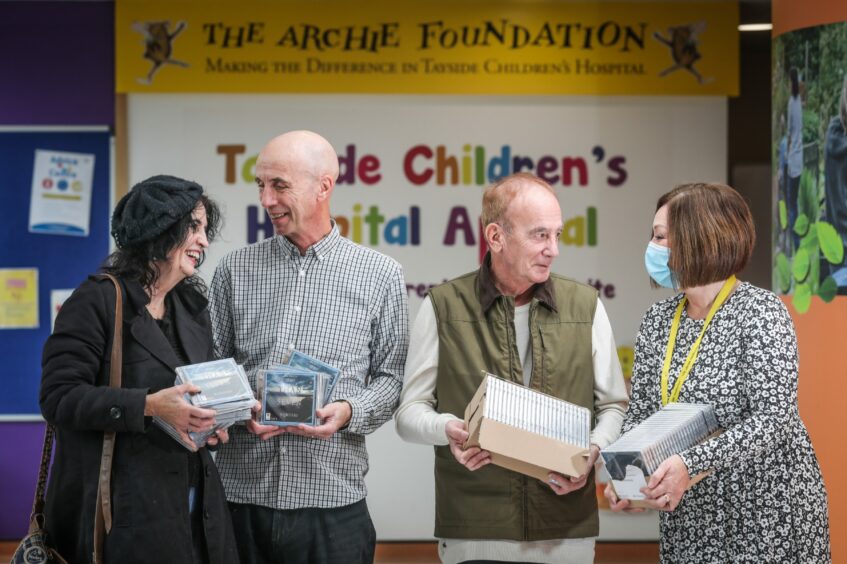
(339, 535)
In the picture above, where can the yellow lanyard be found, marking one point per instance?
(692, 354)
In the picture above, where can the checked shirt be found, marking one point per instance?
(341, 303)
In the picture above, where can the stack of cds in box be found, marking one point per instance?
(223, 387)
(533, 411)
(671, 430)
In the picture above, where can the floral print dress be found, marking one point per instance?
(765, 499)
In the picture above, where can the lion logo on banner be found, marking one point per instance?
(682, 42)
(158, 45)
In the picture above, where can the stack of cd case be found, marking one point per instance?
(639, 452)
(293, 392)
(328, 372)
(223, 388)
(528, 431)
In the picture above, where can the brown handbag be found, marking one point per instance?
(35, 547)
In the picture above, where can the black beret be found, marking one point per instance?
(151, 207)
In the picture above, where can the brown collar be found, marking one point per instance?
(488, 292)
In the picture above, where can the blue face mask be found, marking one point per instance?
(656, 261)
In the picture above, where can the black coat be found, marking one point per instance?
(150, 519)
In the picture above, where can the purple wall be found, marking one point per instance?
(56, 68)
(58, 63)
(19, 457)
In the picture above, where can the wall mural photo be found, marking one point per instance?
(810, 163)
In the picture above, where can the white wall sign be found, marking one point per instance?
(57, 298)
(413, 169)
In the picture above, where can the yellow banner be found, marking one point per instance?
(586, 48)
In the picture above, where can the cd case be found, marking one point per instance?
(304, 361)
(224, 388)
(638, 453)
(290, 396)
(292, 393)
(220, 381)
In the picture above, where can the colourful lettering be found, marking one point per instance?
(398, 230)
(423, 164)
(580, 230)
(258, 221)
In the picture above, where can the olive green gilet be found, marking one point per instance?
(492, 502)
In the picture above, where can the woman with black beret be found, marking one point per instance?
(167, 503)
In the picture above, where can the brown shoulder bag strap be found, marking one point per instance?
(36, 518)
(103, 511)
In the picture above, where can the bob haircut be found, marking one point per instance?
(139, 262)
(710, 233)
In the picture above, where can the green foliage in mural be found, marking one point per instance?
(800, 268)
(833, 65)
(830, 242)
(808, 200)
(802, 298)
(801, 226)
(783, 273)
(811, 126)
(828, 289)
(802, 271)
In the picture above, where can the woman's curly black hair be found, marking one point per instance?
(141, 262)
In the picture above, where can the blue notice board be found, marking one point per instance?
(63, 262)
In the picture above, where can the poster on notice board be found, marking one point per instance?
(61, 193)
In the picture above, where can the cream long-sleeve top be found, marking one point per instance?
(418, 421)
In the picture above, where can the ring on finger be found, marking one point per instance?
(667, 499)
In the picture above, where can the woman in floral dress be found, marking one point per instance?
(764, 498)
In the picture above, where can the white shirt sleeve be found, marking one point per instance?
(417, 420)
(610, 397)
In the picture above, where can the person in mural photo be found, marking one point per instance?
(167, 503)
(795, 152)
(782, 155)
(835, 181)
(517, 319)
(782, 181)
(764, 498)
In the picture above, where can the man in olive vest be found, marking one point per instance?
(513, 318)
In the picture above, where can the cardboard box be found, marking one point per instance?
(517, 449)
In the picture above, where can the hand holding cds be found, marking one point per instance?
(667, 484)
(333, 417)
(208, 397)
(296, 399)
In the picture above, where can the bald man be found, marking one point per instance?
(514, 318)
(297, 494)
